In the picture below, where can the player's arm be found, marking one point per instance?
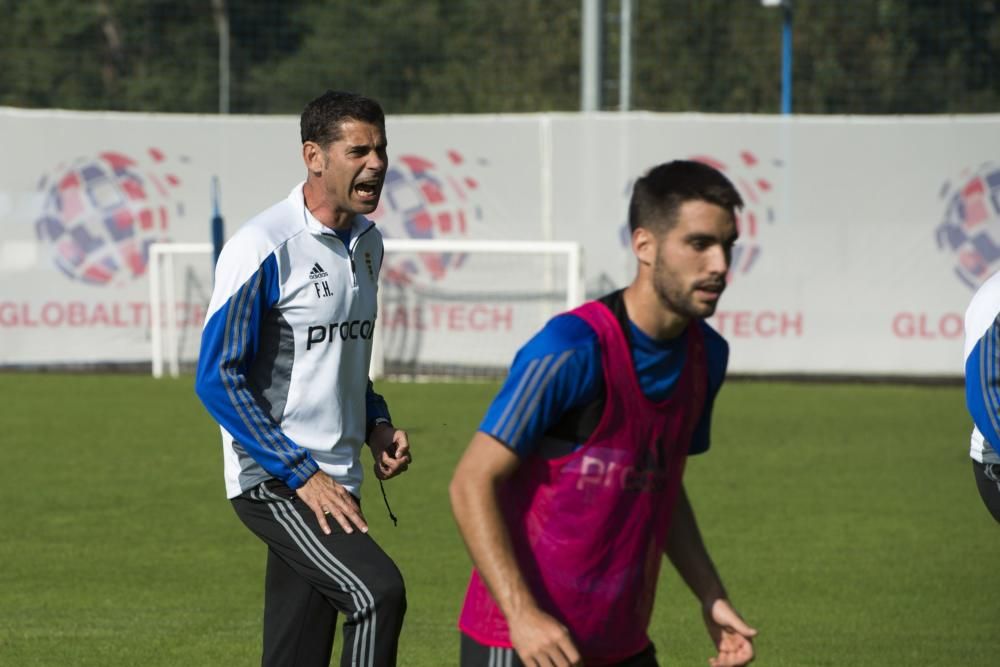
(229, 342)
(537, 637)
(390, 446)
(686, 550)
(556, 371)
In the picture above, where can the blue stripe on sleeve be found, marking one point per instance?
(982, 384)
(228, 345)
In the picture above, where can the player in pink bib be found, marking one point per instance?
(571, 491)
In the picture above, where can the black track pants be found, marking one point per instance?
(988, 483)
(312, 576)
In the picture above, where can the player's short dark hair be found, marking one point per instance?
(321, 119)
(659, 194)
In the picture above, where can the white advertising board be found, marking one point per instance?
(861, 242)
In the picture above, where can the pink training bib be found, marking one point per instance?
(588, 529)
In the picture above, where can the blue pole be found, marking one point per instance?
(786, 58)
(217, 222)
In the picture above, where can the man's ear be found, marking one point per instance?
(313, 156)
(644, 246)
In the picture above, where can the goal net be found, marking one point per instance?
(447, 308)
(461, 309)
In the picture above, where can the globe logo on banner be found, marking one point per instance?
(970, 230)
(749, 174)
(100, 214)
(424, 199)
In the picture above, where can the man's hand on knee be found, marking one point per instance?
(328, 499)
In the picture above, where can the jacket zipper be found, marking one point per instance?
(350, 253)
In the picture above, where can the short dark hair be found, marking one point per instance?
(659, 194)
(321, 119)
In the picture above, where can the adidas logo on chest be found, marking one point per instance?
(317, 275)
(317, 272)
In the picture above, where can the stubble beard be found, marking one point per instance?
(676, 298)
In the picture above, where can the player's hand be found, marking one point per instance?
(732, 636)
(541, 640)
(329, 500)
(391, 451)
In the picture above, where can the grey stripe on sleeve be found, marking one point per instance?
(520, 387)
(536, 399)
(228, 375)
(285, 451)
(523, 396)
(236, 331)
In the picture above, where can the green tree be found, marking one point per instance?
(431, 57)
(715, 55)
(468, 56)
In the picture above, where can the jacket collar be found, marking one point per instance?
(298, 201)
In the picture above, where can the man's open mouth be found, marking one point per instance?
(367, 189)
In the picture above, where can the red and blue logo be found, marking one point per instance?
(100, 214)
(970, 230)
(427, 199)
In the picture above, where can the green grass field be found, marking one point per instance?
(843, 518)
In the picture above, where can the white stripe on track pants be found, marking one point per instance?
(311, 576)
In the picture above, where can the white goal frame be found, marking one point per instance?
(572, 250)
(162, 289)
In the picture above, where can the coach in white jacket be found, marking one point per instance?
(982, 389)
(283, 368)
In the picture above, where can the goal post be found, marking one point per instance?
(570, 249)
(437, 301)
(163, 324)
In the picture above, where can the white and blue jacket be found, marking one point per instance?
(982, 370)
(286, 348)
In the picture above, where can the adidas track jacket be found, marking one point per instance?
(286, 348)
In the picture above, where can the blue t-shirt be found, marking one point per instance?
(560, 369)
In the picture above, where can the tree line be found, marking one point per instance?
(468, 56)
